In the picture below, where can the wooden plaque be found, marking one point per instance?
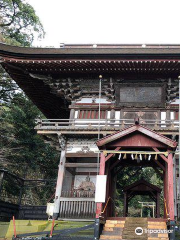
(140, 95)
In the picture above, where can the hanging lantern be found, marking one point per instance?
(136, 157)
(119, 156)
(132, 156)
(149, 158)
(145, 156)
(156, 157)
(140, 157)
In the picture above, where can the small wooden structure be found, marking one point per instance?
(137, 146)
(142, 187)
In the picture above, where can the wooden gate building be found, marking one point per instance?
(90, 96)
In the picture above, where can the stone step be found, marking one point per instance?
(112, 233)
(136, 219)
(114, 221)
(125, 230)
(114, 225)
(157, 227)
(110, 229)
(156, 223)
(110, 237)
(136, 225)
(129, 229)
(150, 238)
(134, 237)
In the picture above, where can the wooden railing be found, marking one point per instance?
(77, 208)
(78, 193)
(54, 124)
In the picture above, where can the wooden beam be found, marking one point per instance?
(159, 164)
(81, 155)
(111, 154)
(158, 172)
(87, 173)
(82, 165)
(71, 171)
(161, 155)
(115, 164)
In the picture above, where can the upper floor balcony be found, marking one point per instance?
(104, 126)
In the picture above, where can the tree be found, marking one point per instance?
(22, 151)
(19, 22)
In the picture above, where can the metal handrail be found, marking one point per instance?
(109, 198)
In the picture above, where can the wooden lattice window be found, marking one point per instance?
(91, 114)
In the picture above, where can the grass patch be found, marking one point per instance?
(3, 229)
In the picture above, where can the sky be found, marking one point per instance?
(105, 21)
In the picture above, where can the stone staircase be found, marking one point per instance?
(125, 229)
(113, 229)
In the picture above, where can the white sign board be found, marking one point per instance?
(100, 195)
(50, 209)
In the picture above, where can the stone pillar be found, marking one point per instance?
(60, 178)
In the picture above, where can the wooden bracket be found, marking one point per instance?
(111, 154)
(161, 155)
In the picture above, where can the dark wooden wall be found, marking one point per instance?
(32, 213)
(8, 210)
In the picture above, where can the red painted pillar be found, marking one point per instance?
(170, 187)
(101, 172)
(165, 188)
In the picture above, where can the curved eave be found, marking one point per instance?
(128, 51)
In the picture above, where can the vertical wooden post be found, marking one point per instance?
(112, 116)
(72, 116)
(52, 228)
(168, 117)
(125, 205)
(101, 172)
(21, 192)
(170, 187)
(1, 181)
(14, 226)
(175, 184)
(59, 184)
(165, 187)
(157, 205)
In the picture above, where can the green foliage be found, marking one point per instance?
(22, 151)
(19, 22)
(26, 150)
(130, 175)
(8, 87)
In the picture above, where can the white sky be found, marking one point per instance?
(105, 21)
